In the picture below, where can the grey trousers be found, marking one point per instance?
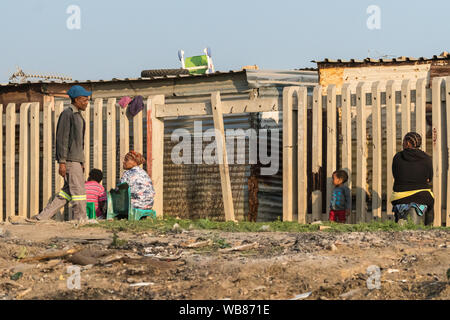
(73, 190)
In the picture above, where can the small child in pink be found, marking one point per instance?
(95, 192)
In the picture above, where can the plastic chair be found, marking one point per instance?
(119, 205)
(197, 64)
(90, 210)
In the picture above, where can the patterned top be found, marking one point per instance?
(141, 187)
(95, 193)
(341, 198)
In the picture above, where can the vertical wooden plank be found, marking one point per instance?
(288, 153)
(87, 141)
(438, 170)
(1, 161)
(331, 143)
(421, 100)
(137, 132)
(391, 142)
(302, 141)
(317, 154)
(34, 159)
(125, 135)
(149, 140)
(47, 153)
(406, 107)
(447, 107)
(361, 152)
(23, 160)
(111, 143)
(59, 181)
(10, 153)
(157, 155)
(377, 191)
(222, 156)
(347, 137)
(98, 134)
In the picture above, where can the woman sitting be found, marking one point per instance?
(141, 186)
(413, 171)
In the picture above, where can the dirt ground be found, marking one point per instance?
(199, 264)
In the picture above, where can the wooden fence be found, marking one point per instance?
(372, 101)
(373, 109)
(28, 136)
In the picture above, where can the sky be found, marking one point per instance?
(119, 39)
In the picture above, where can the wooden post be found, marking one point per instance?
(47, 153)
(23, 160)
(10, 153)
(149, 139)
(137, 133)
(111, 153)
(157, 155)
(391, 143)
(406, 107)
(361, 152)
(447, 106)
(288, 158)
(124, 136)
(302, 140)
(331, 143)
(421, 100)
(317, 154)
(1, 161)
(34, 159)
(98, 134)
(347, 137)
(377, 191)
(438, 170)
(222, 156)
(87, 141)
(59, 181)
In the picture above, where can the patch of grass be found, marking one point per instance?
(166, 224)
(116, 242)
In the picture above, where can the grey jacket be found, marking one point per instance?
(70, 132)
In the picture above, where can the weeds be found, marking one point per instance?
(165, 225)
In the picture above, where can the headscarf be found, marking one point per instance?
(414, 139)
(136, 156)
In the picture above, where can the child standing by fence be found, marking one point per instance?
(341, 198)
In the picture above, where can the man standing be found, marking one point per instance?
(70, 132)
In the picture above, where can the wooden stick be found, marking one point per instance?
(223, 157)
(53, 255)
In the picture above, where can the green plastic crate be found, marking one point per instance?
(119, 205)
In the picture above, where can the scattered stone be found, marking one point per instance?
(301, 296)
(265, 228)
(332, 247)
(392, 270)
(176, 228)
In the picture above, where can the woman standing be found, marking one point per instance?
(141, 186)
(413, 171)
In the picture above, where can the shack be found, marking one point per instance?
(190, 190)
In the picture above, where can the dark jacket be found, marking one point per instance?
(411, 169)
(70, 132)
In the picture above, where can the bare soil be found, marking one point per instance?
(274, 265)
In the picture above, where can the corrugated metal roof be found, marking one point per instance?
(273, 78)
(179, 76)
(443, 56)
(255, 78)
